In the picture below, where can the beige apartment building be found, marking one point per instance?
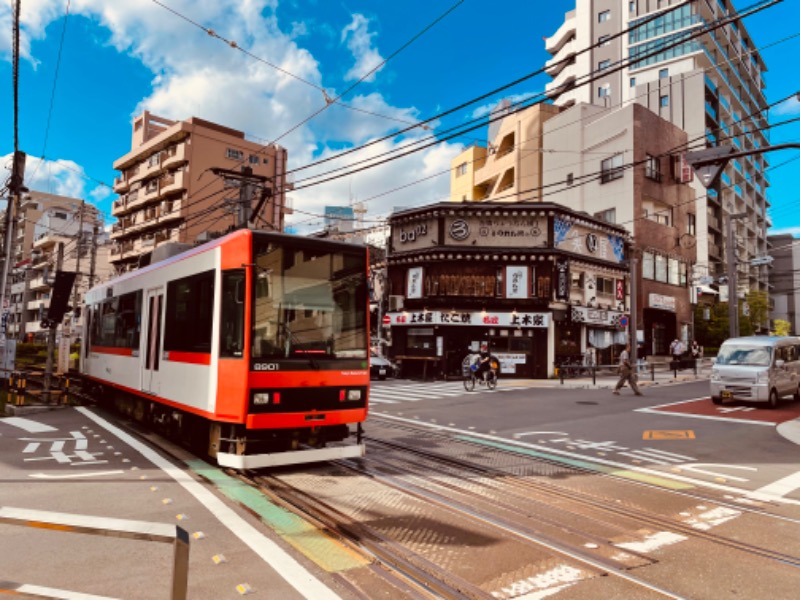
(168, 191)
(509, 168)
(711, 86)
(45, 222)
(628, 174)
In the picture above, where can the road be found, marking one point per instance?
(673, 434)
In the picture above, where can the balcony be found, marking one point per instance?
(173, 156)
(714, 251)
(713, 223)
(566, 31)
(554, 66)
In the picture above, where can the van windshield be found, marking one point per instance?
(755, 356)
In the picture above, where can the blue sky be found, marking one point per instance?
(119, 58)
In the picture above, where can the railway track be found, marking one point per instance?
(451, 528)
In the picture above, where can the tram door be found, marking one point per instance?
(151, 329)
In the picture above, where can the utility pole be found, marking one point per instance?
(76, 289)
(247, 183)
(51, 335)
(92, 264)
(15, 188)
(733, 276)
(633, 325)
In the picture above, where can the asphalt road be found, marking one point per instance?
(673, 432)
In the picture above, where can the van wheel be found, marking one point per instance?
(716, 399)
(773, 398)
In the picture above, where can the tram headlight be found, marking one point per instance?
(354, 394)
(260, 398)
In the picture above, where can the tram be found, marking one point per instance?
(254, 347)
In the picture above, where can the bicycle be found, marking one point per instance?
(489, 379)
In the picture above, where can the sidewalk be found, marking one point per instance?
(75, 462)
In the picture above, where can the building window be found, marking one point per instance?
(691, 224)
(663, 73)
(253, 159)
(603, 16)
(603, 40)
(611, 168)
(652, 169)
(461, 169)
(234, 154)
(603, 64)
(664, 101)
(604, 90)
(632, 6)
(633, 81)
(648, 265)
(608, 215)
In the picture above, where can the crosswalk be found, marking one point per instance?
(398, 390)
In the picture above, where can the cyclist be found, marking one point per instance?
(484, 362)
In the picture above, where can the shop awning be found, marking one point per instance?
(704, 289)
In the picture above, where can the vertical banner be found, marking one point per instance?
(414, 283)
(517, 281)
(619, 289)
(563, 282)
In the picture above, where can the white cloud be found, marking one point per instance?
(196, 74)
(485, 109)
(790, 107)
(359, 41)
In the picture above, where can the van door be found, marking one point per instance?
(154, 301)
(783, 374)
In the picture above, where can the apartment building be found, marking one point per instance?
(712, 87)
(45, 222)
(168, 191)
(509, 167)
(588, 170)
(785, 280)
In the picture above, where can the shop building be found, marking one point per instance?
(539, 282)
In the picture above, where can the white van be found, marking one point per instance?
(757, 369)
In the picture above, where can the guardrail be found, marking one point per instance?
(105, 526)
(568, 371)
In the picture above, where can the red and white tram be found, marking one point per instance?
(254, 346)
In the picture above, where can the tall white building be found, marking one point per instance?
(712, 87)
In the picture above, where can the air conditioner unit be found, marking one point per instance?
(396, 302)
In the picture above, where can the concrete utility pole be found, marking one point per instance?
(51, 335)
(733, 277)
(93, 263)
(15, 188)
(76, 289)
(633, 324)
(248, 182)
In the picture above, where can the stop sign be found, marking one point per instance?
(387, 320)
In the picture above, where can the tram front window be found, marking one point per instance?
(308, 302)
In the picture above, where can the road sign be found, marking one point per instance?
(708, 163)
(706, 280)
(387, 320)
(623, 321)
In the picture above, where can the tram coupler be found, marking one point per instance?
(359, 433)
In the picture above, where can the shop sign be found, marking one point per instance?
(596, 316)
(472, 318)
(580, 239)
(662, 302)
(509, 361)
(563, 281)
(516, 282)
(414, 283)
(413, 236)
(496, 231)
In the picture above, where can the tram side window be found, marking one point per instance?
(189, 313)
(115, 322)
(231, 341)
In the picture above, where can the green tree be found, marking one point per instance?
(782, 327)
(711, 332)
(755, 322)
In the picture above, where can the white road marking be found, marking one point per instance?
(769, 495)
(27, 424)
(272, 554)
(669, 454)
(713, 518)
(653, 542)
(777, 488)
(534, 586)
(74, 475)
(647, 458)
(654, 410)
(695, 468)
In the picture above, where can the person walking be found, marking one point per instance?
(626, 373)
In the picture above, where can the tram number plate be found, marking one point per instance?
(726, 394)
